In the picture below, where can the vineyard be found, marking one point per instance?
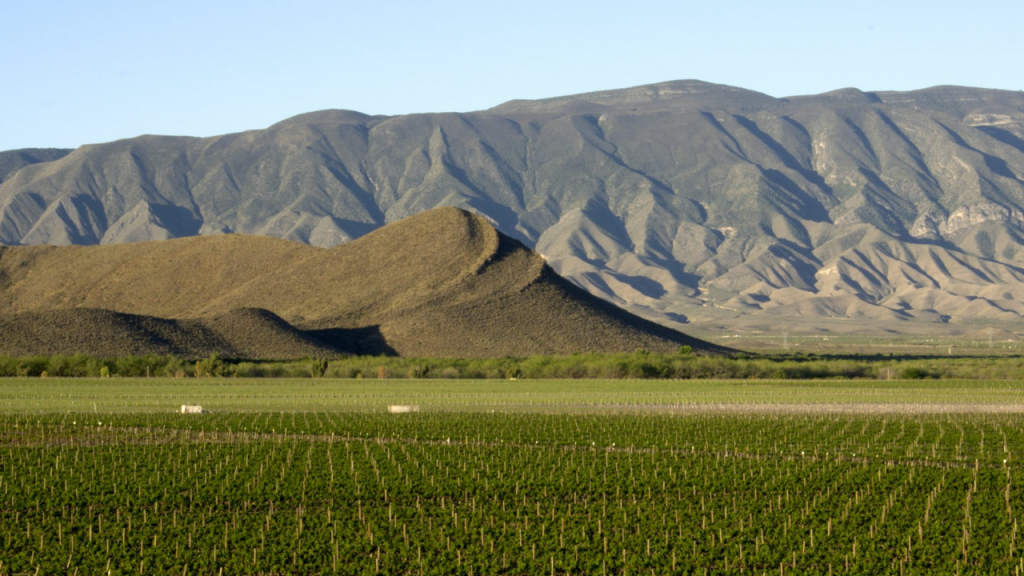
(492, 491)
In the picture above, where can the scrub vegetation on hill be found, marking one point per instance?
(443, 283)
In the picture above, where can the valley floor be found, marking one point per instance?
(510, 477)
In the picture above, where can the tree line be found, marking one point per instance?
(637, 365)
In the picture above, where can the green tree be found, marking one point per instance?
(318, 367)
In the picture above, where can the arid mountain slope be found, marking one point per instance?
(681, 201)
(13, 160)
(442, 283)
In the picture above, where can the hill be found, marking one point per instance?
(243, 333)
(442, 283)
(691, 203)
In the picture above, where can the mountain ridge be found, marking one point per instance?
(13, 160)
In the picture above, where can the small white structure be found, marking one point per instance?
(402, 408)
(191, 409)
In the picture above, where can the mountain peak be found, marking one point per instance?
(841, 96)
(331, 116)
(663, 95)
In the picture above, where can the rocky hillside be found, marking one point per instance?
(683, 201)
(442, 283)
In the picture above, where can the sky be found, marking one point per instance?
(86, 72)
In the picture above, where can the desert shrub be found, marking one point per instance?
(913, 373)
(212, 366)
(33, 366)
(318, 367)
(248, 370)
(59, 366)
(336, 371)
(136, 366)
(172, 366)
(275, 371)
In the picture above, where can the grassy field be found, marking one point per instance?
(128, 395)
(510, 477)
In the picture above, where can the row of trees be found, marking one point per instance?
(683, 365)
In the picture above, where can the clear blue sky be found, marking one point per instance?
(80, 72)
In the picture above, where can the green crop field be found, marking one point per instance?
(156, 395)
(510, 477)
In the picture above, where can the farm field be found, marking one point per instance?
(499, 477)
(160, 395)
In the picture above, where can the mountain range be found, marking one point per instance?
(689, 203)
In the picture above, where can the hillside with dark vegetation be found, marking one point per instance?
(442, 283)
(243, 333)
(685, 202)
